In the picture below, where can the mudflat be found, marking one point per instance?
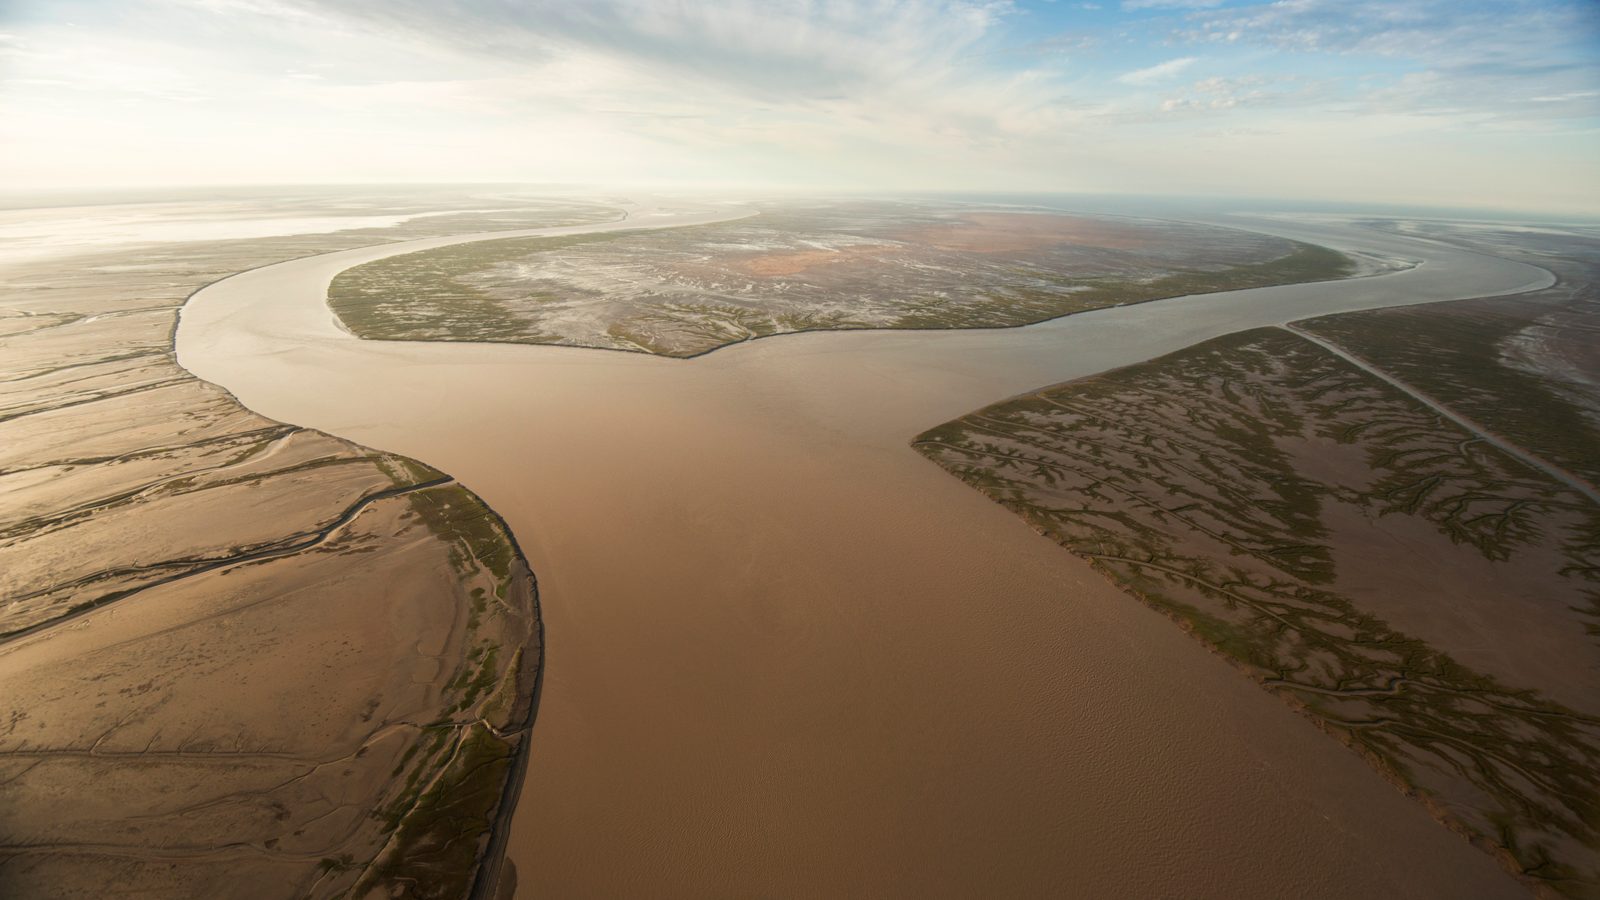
(241, 658)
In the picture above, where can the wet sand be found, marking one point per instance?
(786, 656)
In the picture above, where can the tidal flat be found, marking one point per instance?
(800, 267)
(241, 658)
(1527, 364)
(1423, 595)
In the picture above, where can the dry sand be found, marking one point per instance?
(789, 657)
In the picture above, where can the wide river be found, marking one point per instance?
(788, 657)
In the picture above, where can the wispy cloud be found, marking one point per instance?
(1169, 4)
(1158, 72)
(1475, 58)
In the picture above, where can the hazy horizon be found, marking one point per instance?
(1491, 106)
(1129, 204)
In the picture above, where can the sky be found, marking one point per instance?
(1443, 102)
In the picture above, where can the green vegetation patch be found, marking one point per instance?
(1457, 355)
(429, 295)
(500, 706)
(434, 850)
(476, 535)
(1065, 295)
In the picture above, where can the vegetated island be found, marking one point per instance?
(795, 267)
(1412, 558)
(241, 658)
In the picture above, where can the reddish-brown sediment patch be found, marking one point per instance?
(793, 263)
(973, 233)
(1012, 232)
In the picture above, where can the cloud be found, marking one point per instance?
(1221, 94)
(1159, 72)
(1474, 58)
(958, 94)
(755, 48)
(1169, 4)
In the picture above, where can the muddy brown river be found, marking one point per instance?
(788, 657)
